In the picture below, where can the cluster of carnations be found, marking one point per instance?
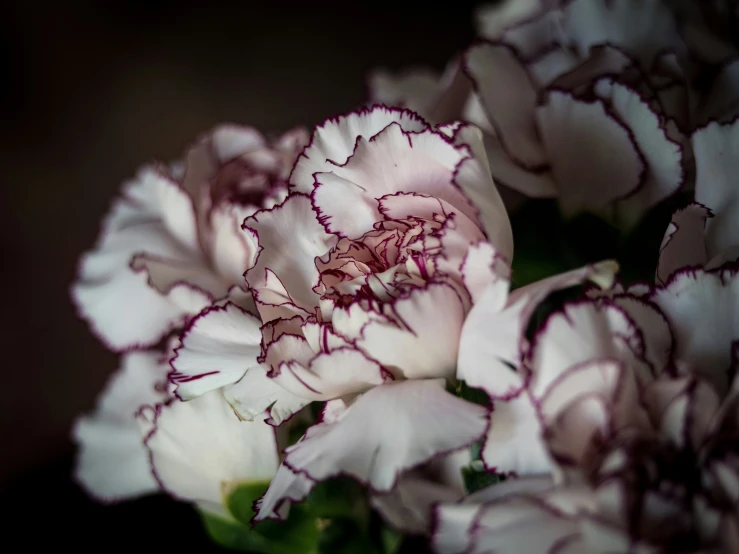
(331, 330)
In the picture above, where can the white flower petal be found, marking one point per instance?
(234, 250)
(389, 162)
(684, 241)
(492, 339)
(663, 156)
(389, 429)
(112, 462)
(421, 339)
(473, 176)
(200, 448)
(290, 238)
(594, 158)
(217, 348)
(701, 308)
(716, 166)
(286, 488)
(330, 375)
(509, 98)
(155, 218)
(334, 141)
(255, 393)
(514, 440)
(580, 333)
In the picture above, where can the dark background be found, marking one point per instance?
(92, 91)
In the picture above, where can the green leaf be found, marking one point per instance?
(233, 535)
(477, 396)
(344, 535)
(340, 497)
(475, 479)
(298, 534)
(240, 501)
(391, 539)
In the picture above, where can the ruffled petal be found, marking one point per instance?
(684, 242)
(409, 506)
(527, 523)
(589, 23)
(662, 155)
(112, 463)
(290, 239)
(514, 440)
(715, 148)
(594, 157)
(701, 308)
(330, 375)
(474, 177)
(217, 348)
(492, 340)
(454, 523)
(389, 429)
(199, 449)
(578, 334)
(285, 489)
(154, 218)
(421, 337)
(334, 141)
(234, 250)
(256, 394)
(394, 160)
(509, 98)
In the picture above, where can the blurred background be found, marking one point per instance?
(93, 90)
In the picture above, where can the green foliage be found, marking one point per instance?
(334, 518)
(476, 477)
(477, 396)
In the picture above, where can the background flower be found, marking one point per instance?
(172, 244)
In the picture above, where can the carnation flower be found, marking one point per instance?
(141, 440)
(172, 243)
(636, 408)
(362, 282)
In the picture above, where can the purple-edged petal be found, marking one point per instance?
(701, 308)
(421, 338)
(234, 250)
(578, 334)
(684, 242)
(493, 336)
(334, 141)
(716, 166)
(653, 326)
(454, 523)
(199, 449)
(514, 442)
(588, 23)
(509, 98)
(330, 375)
(256, 394)
(534, 184)
(409, 506)
(285, 489)
(493, 20)
(389, 429)
(290, 239)
(112, 463)
(594, 157)
(420, 90)
(217, 348)
(394, 160)
(523, 523)
(154, 217)
(474, 177)
(663, 156)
